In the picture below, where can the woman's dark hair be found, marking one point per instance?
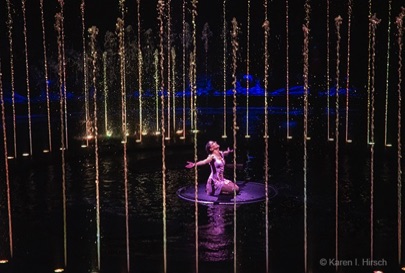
(208, 147)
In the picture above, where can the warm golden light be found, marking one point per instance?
(403, 268)
(10, 157)
(3, 261)
(25, 154)
(83, 146)
(59, 270)
(157, 133)
(45, 151)
(89, 137)
(179, 132)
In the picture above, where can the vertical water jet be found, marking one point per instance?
(140, 69)
(48, 107)
(235, 48)
(62, 26)
(184, 67)
(58, 28)
(93, 32)
(160, 9)
(27, 79)
(338, 23)
(287, 67)
(305, 53)
(86, 91)
(387, 74)
(399, 23)
(369, 72)
(374, 21)
(6, 167)
(224, 35)
(329, 138)
(193, 83)
(247, 68)
(10, 42)
(266, 29)
(349, 20)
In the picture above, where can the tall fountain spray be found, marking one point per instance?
(266, 30)
(349, 20)
(140, 68)
(329, 138)
(93, 32)
(169, 70)
(247, 68)
(224, 35)
(387, 81)
(85, 87)
(160, 9)
(193, 107)
(10, 42)
(235, 48)
(374, 21)
(48, 107)
(183, 39)
(58, 22)
(370, 5)
(27, 80)
(287, 68)
(7, 173)
(121, 40)
(65, 106)
(305, 55)
(338, 23)
(399, 22)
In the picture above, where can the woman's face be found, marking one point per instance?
(213, 145)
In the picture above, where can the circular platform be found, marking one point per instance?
(250, 192)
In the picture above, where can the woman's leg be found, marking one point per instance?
(229, 188)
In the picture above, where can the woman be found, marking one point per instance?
(216, 183)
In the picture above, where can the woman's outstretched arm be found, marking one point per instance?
(199, 163)
(227, 152)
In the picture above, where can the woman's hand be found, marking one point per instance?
(190, 164)
(229, 150)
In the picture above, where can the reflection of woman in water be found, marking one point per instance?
(216, 183)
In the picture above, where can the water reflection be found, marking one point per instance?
(216, 235)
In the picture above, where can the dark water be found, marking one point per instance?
(37, 207)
